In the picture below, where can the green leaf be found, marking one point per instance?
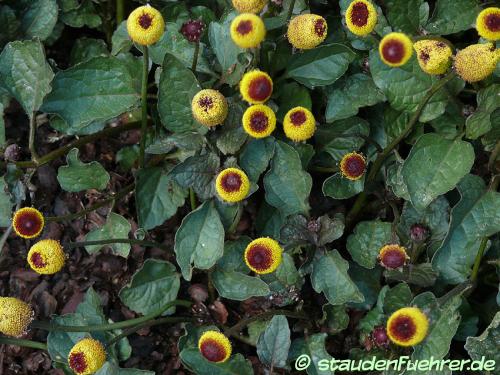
(232, 136)
(417, 274)
(255, 156)
(120, 40)
(157, 197)
(78, 176)
(25, 74)
(292, 95)
(232, 260)
(87, 48)
(357, 91)
(154, 285)
(274, 343)
(434, 166)
(287, 185)
(5, 204)
(287, 273)
(365, 243)
(236, 365)
(238, 286)
(82, 14)
(184, 141)
(339, 187)
(330, 276)
(397, 297)
(96, 90)
(486, 345)
(476, 216)
(452, 16)
(11, 25)
(479, 123)
(320, 66)
(176, 90)
(115, 227)
(199, 241)
(314, 347)
(336, 318)
(39, 19)
(401, 15)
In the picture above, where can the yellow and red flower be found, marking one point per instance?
(256, 87)
(434, 56)
(263, 255)
(46, 257)
(299, 124)
(407, 326)
(361, 17)
(209, 107)
(476, 62)
(232, 185)
(488, 23)
(393, 256)
(259, 121)
(87, 356)
(15, 316)
(248, 30)
(214, 346)
(28, 222)
(395, 49)
(249, 6)
(307, 31)
(145, 25)
(353, 166)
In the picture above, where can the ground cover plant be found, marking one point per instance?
(249, 186)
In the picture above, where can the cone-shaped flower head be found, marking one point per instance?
(392, 256)
(15, 316)
(434, 56)
(214, 346)
(192, 30)
(353, 166)
(307, 31)
(87, 356)
(46, 257)
(232, 185)
(299, 124)
(488, 23)
(263, 255)
(28, 222)
(407, 326)
(248, 30)
(249, 6)
(259, 121)
(145, 25)
(476, 62)
(395, 49)
(256, 87)
(209, 107)
(361, 17)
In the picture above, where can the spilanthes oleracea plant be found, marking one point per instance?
(249, 6)
(248, 30)
(361, 17)
(476, 62)
(46, 257)
(214, 346)
(28, 222)
(256, 87)
(395, 49)
(209, 107)
(232, 185)
(353, 166)
(87, 356)
(434, 56)
(307, 31)
(15, 316)
(299, 124)
(407, 326)
(259, 121)
(392, 256)
(263, 255)
(488, 23)
(145, 25)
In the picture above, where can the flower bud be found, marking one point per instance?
(192, 30)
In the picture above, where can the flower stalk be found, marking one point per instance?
(22, 342)
(144, 105)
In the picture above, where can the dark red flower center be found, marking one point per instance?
(260, 257)
(231, 182)
(298, 118)
(419, 232)
(393, 51)
(212, 350)
(192, 30)
(424, 57)
(145, 21)
(393, 258)
(379, 336)
(37, 260)
(492, 22)
(403, 328)
(320, 27)
(244, 27)
(354, 166)
(359, 14)
(259, 122)
(206, 103)
(77, 362)
(260, 89)
(28, 223)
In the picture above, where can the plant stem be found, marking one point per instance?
(494, 156)
(31, 145)
(22, 342)
(73, 245)
(192, 199)
(144, 105)
(290, 11)
(120, 11)
(110, 326)
(195, 56)
(477, 261)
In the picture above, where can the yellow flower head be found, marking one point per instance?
(28, 222)
(145, 25)
(87, 356)
(361, 17)
(395, 49)
(214, 346)
(488, 23)
(353, 166)
(248, 30)
(209, 107)
(307, 31)
(263, 255)
(407, 326)
(434, 56)
(46, 257)
(232, 185)
(392, 256)
(249, 6)
(256, 87)
(15, 316)
(299, 124)
(259, 121)
(476, 62)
